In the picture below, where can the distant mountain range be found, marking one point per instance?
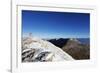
(60, 42)
(78, 48)
(84, 40)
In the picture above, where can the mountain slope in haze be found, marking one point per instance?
(38, 50)
(76, 49)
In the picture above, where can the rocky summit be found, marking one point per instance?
(38, 50)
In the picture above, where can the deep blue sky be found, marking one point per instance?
(45, 24)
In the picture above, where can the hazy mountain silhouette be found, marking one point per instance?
(59, 42)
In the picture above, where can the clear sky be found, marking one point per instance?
(46, 24)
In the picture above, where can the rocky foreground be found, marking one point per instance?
(38, 50)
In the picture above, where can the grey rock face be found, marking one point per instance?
(44, 56)
(27, 55)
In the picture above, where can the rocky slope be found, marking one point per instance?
(76, 49)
